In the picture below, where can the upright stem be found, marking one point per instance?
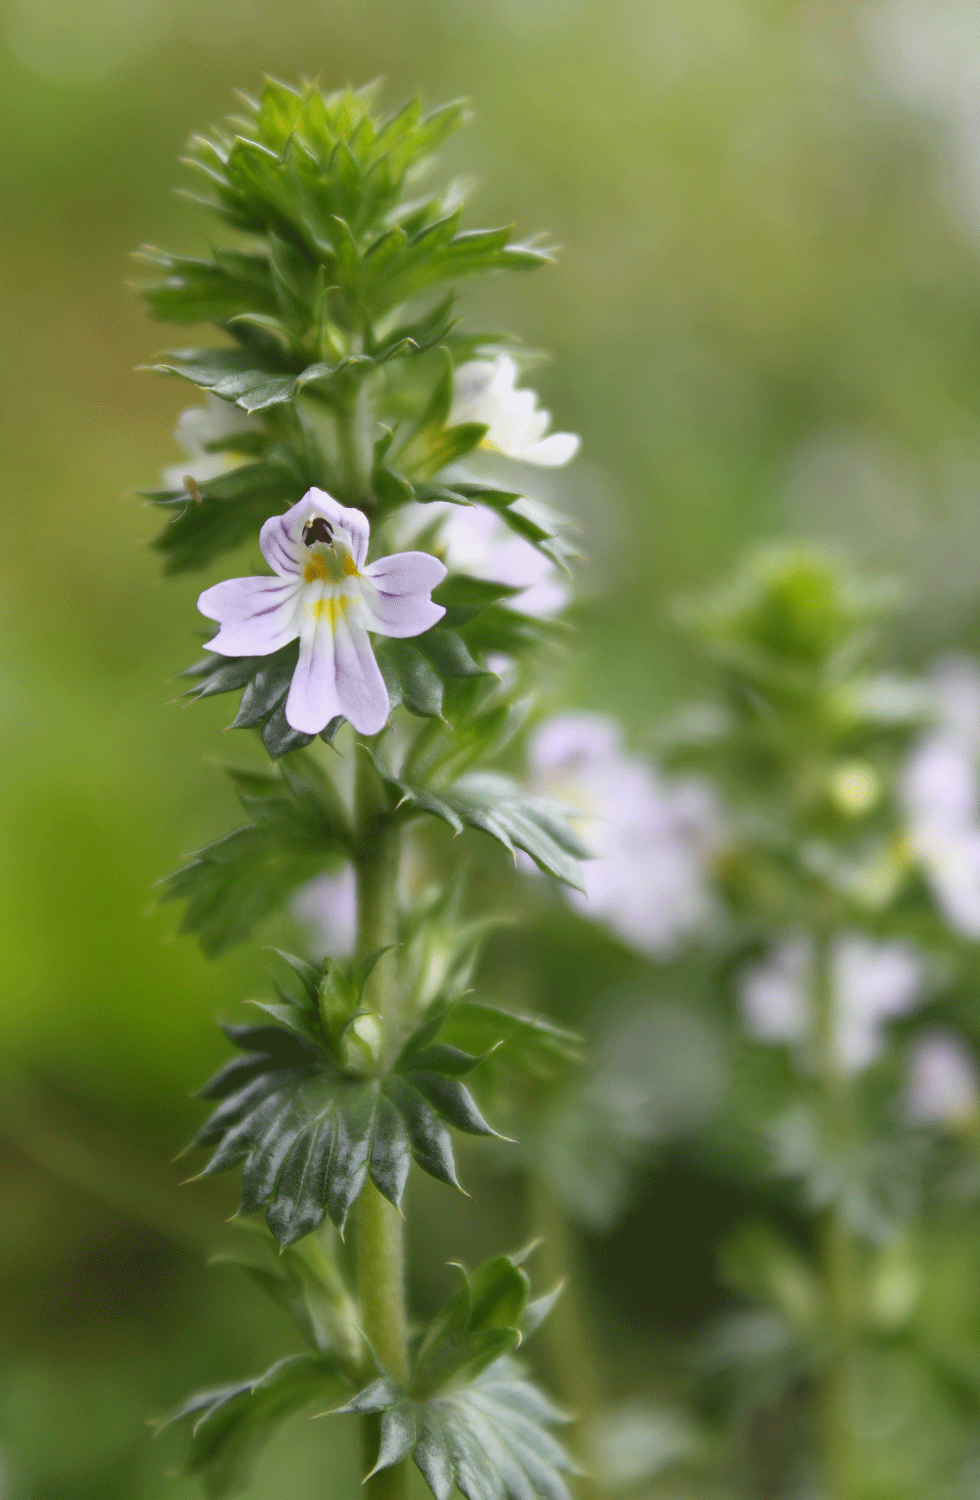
(380, 1244)
(570, 1337)
(837, 1252)
(353, 422)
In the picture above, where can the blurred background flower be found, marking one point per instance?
(871, 983)
(653, 839)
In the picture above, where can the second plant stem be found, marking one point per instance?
(380, 1237)
(836, 1249)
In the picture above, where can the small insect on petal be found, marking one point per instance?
(318, 530)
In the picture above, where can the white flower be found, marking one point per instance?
(485, 391)
(871, 982)
(943, 1088)
(197, 427)
(475, 541)
(942, 799)
(654, 839)
(325, 594)
(327, 906)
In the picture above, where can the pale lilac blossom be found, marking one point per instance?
(654, 839)
(472, 539)
(485, 390)
(941, 795)
(327, 908)
(871, 982)
(325, 593)
(943, 1087)
(199, 426)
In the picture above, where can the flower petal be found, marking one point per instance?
(471, 382)
(312, 700)
(553, 451)
(257, 615)
(353, 522)
(281, 541)
(361, 690)
(395, 592)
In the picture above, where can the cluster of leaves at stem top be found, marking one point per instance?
(323, 1098)
(343, 292)
(468, 1414)
(807, 736)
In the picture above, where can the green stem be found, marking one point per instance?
(837, 1251)
(569, 1335)
(354, 446)
(380, 1242)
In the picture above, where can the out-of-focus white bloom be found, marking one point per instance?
(485, 391)
(943, 1087)
(871, 982)
(474, 540)
(327, 907)
(197, 427)
(941, 795)
(654, 839)
(775, 996)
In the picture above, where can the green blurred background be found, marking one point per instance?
(766, 320)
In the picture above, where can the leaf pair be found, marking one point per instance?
(308, 1122)
(494, 804)
(469, 1417)
(233, 1423)
(477, 1422)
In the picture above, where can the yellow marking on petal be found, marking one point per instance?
(316, 570)
(334, 606)
(350, 567)
(489, 446)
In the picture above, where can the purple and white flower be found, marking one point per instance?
(943, 1087)
(472, 539)
(197, 428)
(871, 982)
(941, 795)
(327, 595)
(485, 390)
(654, 839)
(327, 908)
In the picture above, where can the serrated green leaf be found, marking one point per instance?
(232, 1423)
(489, 1435)
(415, 671)
(265, 680)
(307, 974)
(490, 1299)
(530, 1041)
(233, 374)
(224, 512)
(538, 524)
(299, 827)
(307, 1131)
(194, 290)
(495, 805)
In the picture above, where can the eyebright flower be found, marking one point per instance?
(327, 908)
(326, 594)
(943, 1087)
(485, 391)
(871, 982)
(197, 428)
(653, 839)
(941, 795)
(474, 540)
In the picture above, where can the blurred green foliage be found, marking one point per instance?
(766, 322)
